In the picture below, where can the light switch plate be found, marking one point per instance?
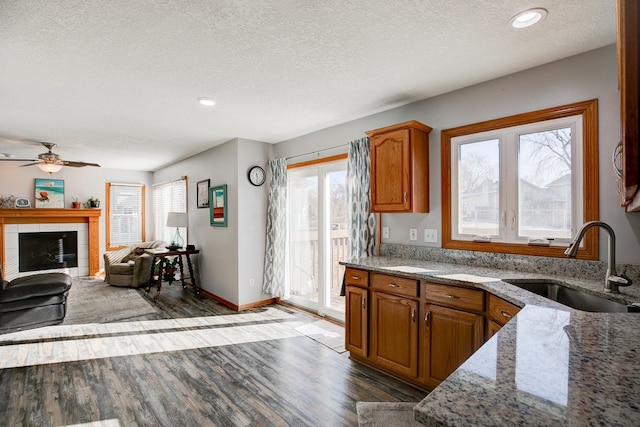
(413, 234)
(430, 235)
(385, 232)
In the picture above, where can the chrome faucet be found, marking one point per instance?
(611, 280)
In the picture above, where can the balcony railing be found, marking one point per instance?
(304, 253)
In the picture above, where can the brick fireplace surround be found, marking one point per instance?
(90, 217)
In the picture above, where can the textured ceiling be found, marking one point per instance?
(103, 78)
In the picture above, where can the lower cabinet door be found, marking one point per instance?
(449, 337)
(357, 321)
(394, 329)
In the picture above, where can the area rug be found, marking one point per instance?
(386, 414)
(326, 333)
(94, 301)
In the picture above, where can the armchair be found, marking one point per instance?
(33, 301)
(130, 266)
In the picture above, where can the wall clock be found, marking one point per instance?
(256, 176)
(21, 202)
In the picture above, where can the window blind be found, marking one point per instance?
(168, 197)
(126, 214)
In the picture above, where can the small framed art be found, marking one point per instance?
(203, 193)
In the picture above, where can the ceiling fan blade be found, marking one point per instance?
(11, 159)
(78, 164)
(30, 164)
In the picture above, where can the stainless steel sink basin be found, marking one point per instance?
(573, 298)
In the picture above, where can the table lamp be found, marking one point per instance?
(177, 220)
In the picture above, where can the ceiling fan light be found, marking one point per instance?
(49, 167)
(528, 18)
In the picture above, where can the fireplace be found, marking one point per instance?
(86, 222)
(47, 250)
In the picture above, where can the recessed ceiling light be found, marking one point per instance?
(528, 18)
(207, 102)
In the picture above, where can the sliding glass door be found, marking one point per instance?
(317, 213)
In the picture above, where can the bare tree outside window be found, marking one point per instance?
(478, 192)
(544, 196)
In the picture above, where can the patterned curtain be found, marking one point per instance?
(275, 258)
(362, 223)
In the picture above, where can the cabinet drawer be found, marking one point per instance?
(395, 285)
(501, 311)
(357, 277)
(454, 296)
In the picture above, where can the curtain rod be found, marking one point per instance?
(316, 152)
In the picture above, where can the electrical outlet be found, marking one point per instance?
(413, 234)
(430, 235)
(252, 282)
(385, 232)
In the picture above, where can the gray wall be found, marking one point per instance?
(230, 256)
(252, 222)
(78, 182)
(582, 77)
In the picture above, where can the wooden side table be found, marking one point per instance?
(159, 256)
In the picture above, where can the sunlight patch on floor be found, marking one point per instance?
(38, 353)
(69, 331)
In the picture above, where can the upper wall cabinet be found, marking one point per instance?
(400, 168)
(628, 13)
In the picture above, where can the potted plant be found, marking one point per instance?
(75, 203)
(93, 202)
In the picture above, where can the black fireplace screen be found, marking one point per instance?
(48, 250)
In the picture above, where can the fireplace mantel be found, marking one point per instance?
(43, 216)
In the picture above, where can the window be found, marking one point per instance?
(126, 215)
(168, 197)
(530, 176)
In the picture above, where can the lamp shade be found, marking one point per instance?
(49, 167)
(177, 219)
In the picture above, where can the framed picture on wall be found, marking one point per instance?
(49, 193)
(218, 208)
(203, 193)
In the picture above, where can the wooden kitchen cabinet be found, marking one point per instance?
(394, 324)
(400, 168)
(394, 328)
(628, 42)
(499, 313)
(452, 329)
(357, 312)
(415, 330)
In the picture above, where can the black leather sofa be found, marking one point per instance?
(33, 301)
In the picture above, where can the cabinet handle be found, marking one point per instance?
(413, 315)
(393, 285)
(452, 296)
(404, 197)
(364, 303)
(355, 277)
(505, 314)
(427, 318)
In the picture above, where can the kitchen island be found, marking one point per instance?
(549, 365)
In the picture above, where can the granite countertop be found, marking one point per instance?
(550, 365)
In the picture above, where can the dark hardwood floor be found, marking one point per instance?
(291, 381)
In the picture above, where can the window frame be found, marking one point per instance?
(588, 111)
(108, 219)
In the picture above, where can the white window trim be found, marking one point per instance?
(508, 173)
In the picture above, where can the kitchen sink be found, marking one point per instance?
(574, 298)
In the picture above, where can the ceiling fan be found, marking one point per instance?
(49, 161)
